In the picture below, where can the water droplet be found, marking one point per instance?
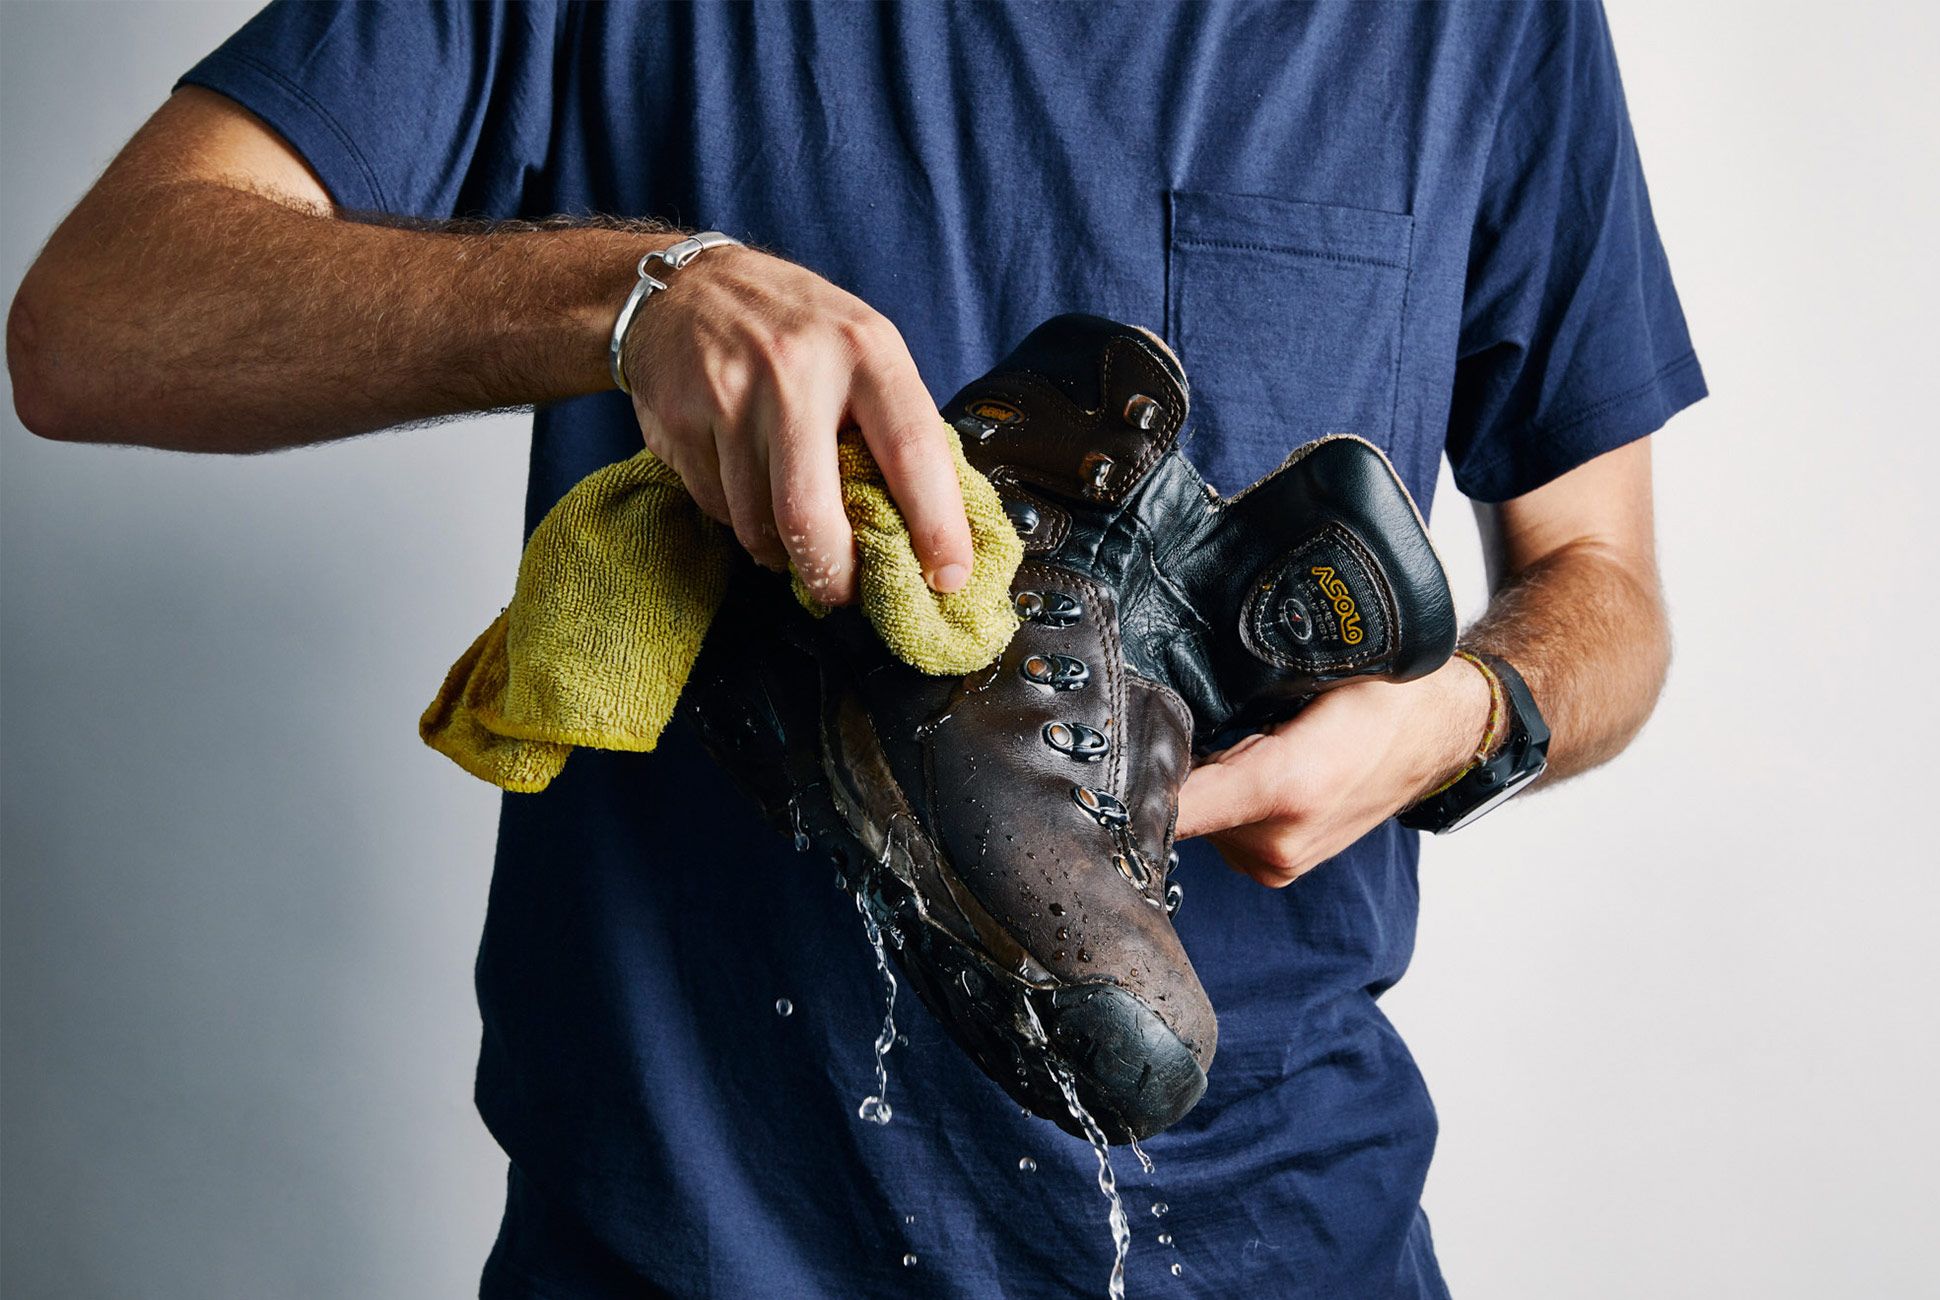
(902, 1040)
(909, 1261)
(1083, 955)
(1058, 955)
(783, 1007)
(1064, 932)
(1027, 1164)
(1177, 1271)
(875, 1110)
(1144, 1161)
(1165, 1239)
(1159, 1208)
(909, 1218)
(1057, 909)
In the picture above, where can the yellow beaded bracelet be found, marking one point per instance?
(1492, 734)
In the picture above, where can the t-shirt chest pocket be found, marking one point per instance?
(1288, 318)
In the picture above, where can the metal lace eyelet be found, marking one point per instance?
(1141, 412)
(1050, 608)
(1075, 740)
(1133, 868)
(1059, 672)
(1023, 517)
(1174, 895)
(975, 427)
(1104, 808)
(1096, 470)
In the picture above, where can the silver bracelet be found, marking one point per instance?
(675, 256)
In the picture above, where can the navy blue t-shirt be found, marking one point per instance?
(1423, 224)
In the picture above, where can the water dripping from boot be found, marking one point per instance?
(875, 1108)
(1121, 1230)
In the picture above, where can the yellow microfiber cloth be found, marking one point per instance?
(617, 587)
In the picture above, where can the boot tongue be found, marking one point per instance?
(1081, 409)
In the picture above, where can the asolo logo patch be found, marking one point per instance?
(1336, 591)
(995, 412)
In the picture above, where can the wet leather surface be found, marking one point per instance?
(1002, 800)
(1196, 618)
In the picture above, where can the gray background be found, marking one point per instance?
(1679, 1018)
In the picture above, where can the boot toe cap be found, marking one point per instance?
(1134, 1072)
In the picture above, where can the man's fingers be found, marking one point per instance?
(805, 484)
(1235, 790)
(744, 480)
(1273, 863)
(1214, 798)
(905, 434)
(694, 459)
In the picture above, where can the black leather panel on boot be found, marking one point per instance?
(1014, 827)
(1330, 540)
(1081, 410)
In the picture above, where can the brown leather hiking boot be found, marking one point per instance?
(1012, 830)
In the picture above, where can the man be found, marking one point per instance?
(1424, 225)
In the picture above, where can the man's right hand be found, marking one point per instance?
(743, 372)
(236, 310)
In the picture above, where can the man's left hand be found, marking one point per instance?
(1283, 801)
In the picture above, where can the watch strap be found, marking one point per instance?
(1521, 757)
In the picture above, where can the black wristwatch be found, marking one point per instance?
(1492, 781)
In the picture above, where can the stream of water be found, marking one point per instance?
(1121, 1231)
(876, 1108)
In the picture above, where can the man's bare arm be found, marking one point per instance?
(204, 296)
(1577, 609)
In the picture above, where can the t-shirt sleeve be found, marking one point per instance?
(1572, 342)
(418, 108)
